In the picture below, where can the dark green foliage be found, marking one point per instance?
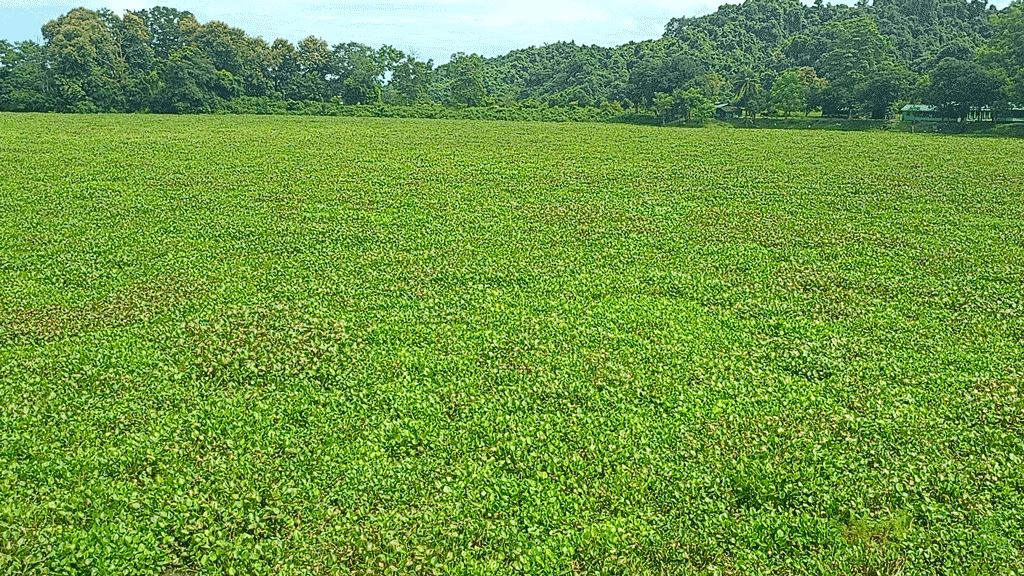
(283, 69)
(317, 66)
(87, 66)
(360, 71)
(169, 29)
(868, 59)
(190, 83)
(141, 77)
(410, 80)
(662, 104)
(847, 53)
(920, 28)
(747, 88)
(957, 87)
(1006, 52)
(232, 52)
(883, 88)
(692, 104)
(465, 80)
(24, 81)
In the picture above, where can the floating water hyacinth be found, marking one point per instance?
(294, 345)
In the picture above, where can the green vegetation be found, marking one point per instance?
(234, 345)
(769, 56)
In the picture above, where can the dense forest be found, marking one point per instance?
(763, 56)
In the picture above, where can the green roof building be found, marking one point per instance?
(924, 113)
(928, 113)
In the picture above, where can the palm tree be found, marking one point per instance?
(747, 87)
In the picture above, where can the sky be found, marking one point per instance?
(430, 28)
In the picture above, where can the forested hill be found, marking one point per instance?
(755, 42)
(761, 55)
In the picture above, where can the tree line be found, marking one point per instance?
(764, 56)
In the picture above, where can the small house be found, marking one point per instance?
(923, 113)
(727, 111)
(1014, 114)
(927, 113)
(983, 114)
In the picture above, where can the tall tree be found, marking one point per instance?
(140, 80)
(692, 104)
(789, 92)
(662, 106)
(191, 83)
(957, 87)
(467, 83)
(88, 67)
(223, 45)
(747, 88)
(645, 80)
(169, 29)
(1006, 49)
(24, 78)
(846, 52)
(813, 87)
(317, 66)
(410, 79)
(359, 73)
(232, 51)
(885, 86)
(283, 68)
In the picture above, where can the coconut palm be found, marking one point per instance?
(747, 87)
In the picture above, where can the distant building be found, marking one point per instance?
(1014, 114)
(924, 113)
(928, 113)
(727, 111)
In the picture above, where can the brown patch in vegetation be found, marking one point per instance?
(132, 305)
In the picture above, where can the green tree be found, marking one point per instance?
(883, 88)
(140, 80)
(662, 106)
(169, 29)
(256, 79)
(359, 73)
(190, 83)
(410, 79)
(645, 80)
(87, 64)
(789, 92)
(813, 87)
(712, 85)
(747, 88)
(692, 104)
(7, 58)
(317, 66)
(24, 80)
(223, 45)
(957, 87)
(1006, 49)
(662, 66)
(283, 68)
(467, 84)
(846, 52)
(232, 51)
